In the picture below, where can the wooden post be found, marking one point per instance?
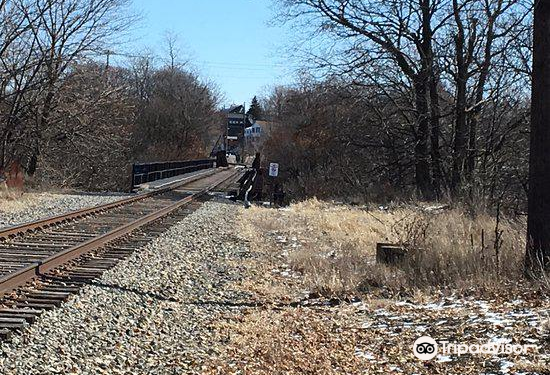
(537, 259)
(391, 254)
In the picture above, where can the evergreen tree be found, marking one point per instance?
(255, 110)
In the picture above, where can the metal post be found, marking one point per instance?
(132, 184)
(244, 127)
(226, 141)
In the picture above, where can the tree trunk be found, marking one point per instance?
(427, 55)
(422, 164)
(33, 162)
(538, 223)
(460, 132)
(472, 147)
(32, 165)
(479, 91)
(434, 136)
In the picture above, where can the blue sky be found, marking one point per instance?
(230, 42)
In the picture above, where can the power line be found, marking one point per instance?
(206, 62)
(242, 68)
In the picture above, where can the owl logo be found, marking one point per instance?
(425, 348)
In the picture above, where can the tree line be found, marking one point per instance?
(408, 97)
(70, 117)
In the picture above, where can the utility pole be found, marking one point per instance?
(108, 53)
(537, 259)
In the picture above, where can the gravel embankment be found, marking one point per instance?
(34, 206)
(150, 315)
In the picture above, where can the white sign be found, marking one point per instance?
(273, 169)
(232, 137)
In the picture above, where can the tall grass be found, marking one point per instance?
(335, 247)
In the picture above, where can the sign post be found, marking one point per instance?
(273, 169)
(273, 173)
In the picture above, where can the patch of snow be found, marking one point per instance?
(421, 328)
(521, 314)
(396, 369)
(436, 208)
(505, 366)
(279, 209)
(443, 358)
(363, 354)
(483, 305)
(441, 305)
(497, 319)
(281, 239)
(500, 340)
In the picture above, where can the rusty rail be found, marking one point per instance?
(20, 277)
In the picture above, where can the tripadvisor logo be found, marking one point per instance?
(426, 348)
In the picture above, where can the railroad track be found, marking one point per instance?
(42, 263)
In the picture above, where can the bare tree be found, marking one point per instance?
(19, 67)
(402, 32)
(482, 34)
(172, 51)
(440, 63)
(88, 146)
(175, 119)
(39, 42)
(75, 117)
(70, 30)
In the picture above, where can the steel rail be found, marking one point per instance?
(21, 277)
(57, 219)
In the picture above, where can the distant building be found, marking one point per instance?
(237, 122)
(256, 134)
(253, 131)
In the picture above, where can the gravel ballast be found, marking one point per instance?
(35, 206)
(150, 314)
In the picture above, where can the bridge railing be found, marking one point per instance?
(147, 172)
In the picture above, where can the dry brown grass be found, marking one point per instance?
(14, 201)
(295, 341)
(330, 249)
(333, 246)
(10, 200)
